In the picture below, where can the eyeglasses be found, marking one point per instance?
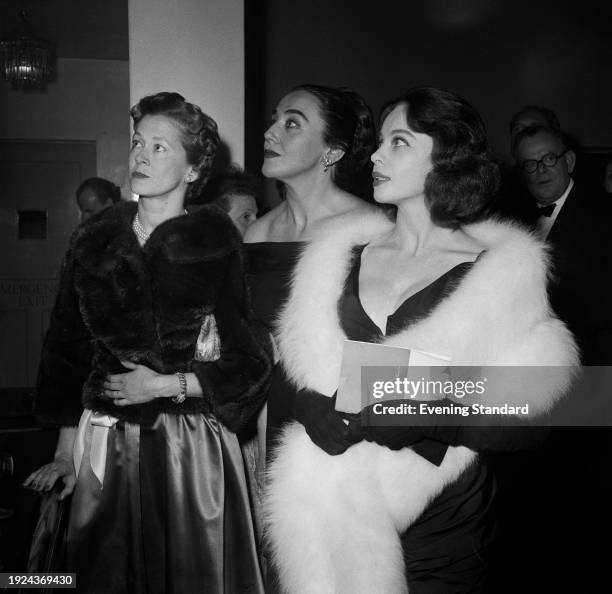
(548, 160)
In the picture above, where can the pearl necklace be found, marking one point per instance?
(140, 231)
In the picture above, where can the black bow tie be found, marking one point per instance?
(546, 211)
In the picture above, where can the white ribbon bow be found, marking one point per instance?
(99, 442)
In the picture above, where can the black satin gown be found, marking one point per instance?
(446, 549)
(268, 269)
(269, 266)
(172, 516)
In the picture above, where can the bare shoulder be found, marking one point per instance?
(356, 204)
(353, 206)
(259, 229)
(350, 211)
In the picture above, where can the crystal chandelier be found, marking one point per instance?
(25, 60)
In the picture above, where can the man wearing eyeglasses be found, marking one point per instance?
(576, 224)
(573, 472)
(546, 164)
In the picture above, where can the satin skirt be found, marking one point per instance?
(172, 516)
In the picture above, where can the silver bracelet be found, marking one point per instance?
(180, 397)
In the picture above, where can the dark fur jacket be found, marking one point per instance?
(118, 301)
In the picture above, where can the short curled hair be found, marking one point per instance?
(464, 178)
(103, 189)
(227, 183)
(199, 135)
(349, 125)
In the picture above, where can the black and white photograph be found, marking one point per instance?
(305, 296)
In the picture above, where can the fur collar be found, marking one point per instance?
(147, 305)
(199, 236)
(326, 514)
(498, 315)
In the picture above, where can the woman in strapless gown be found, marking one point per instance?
(360, 508)
(318, 148)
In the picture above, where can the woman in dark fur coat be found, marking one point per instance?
(152, 335)
(360, 509)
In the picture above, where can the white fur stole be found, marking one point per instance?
(334, 522)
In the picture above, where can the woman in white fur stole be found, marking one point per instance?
(392, 510)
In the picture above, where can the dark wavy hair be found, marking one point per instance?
(199, 134)
(464, 179)
(231, 181)
(349, 125)
(102, 188)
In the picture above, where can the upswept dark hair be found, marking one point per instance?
(200, 137)
(102, 188)
(349, 125)
(464, 178)
(226, 183)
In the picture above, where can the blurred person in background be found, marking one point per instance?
(96, 194)
(237, 192)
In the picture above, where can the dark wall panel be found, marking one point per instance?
(499, 54)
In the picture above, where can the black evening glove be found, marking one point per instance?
(505, 434)
(402, 436)
(396, 438)
(324, 425)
